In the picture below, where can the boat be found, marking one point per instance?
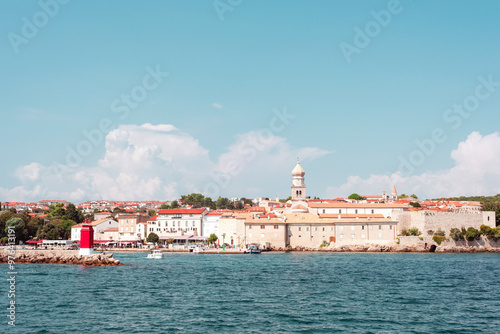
(253, 249)
(155, 254)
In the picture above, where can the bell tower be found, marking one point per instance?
(298, 185)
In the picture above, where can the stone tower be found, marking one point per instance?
(298, 185)
(394, 194)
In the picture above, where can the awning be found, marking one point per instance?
(32, 241)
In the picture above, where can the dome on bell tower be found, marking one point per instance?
(298, 170)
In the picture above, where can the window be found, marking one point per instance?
(390, 227)
(380, 227)
(331, 229)
(362, 235)
(363, 227)
(323, 210)
(191, 215)
(173, 223)
(341, 236)
(186, 223)
(193, 222)
(356, 211)
(340, 210)
(373, 211)
(353, 235)
(262, 227)
(323, 229)
(488, 218)
(307, 229)
(300, 236)
(249, 227)
(276, 227)
(300, 228)
(315, 229)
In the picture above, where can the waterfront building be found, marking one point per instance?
(99, 226)
(210, 223)
(178, 224)
(127, 226)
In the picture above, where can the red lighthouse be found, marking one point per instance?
(86, 238)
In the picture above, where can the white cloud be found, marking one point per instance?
(476, 172)
(161, 162)
(217, 105)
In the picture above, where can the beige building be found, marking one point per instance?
(127, 226)
(309, 230)
(232, 229)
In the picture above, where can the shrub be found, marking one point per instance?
(404, 232)
(472, 234)
(440, 233)
(430, 232)
(456, 234)
(414, 231)
(421, 238)
(324, 244)
(438, 239)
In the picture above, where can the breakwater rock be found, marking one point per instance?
(418, 248)
(58, 257)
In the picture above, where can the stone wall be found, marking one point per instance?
(431, 220)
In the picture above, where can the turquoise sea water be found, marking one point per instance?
(268, 293)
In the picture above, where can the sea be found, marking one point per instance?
(268, 293)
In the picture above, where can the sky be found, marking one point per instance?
(139, 100)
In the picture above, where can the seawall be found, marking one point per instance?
(57, 257)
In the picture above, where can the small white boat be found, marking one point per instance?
(155, 254)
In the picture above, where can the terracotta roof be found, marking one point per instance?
(348, 216)
(180, 211)
(357, 205)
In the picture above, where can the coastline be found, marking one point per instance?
(59, 256)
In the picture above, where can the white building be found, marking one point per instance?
(210, 223)
(170, 223)
(99, 227)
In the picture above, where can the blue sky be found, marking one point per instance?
(354, 118)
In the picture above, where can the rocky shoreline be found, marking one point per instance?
(393, 249)
(58, 257)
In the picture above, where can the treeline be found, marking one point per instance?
(199, 201)
(56, 225)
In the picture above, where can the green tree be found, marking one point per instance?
(414, 196)
(66, 225)
(73, 214)
(151, 213)
(414, 231)
(285, 199)
(247, 201)
(212, 239)
(33, 225)
(165, 206)
(175, 205)
(224, 203)
(402, 196)
(356, 197)
(415, 204)
(18, 226)
(153, 237)
(472, 234)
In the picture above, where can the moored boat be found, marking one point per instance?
(155, 254)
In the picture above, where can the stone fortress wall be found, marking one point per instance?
(431, 220)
